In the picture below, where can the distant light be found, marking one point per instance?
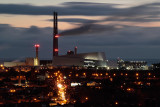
(59, 85)
(57, 36)
(12, 90)
(75, 84)
(56, 50)
(37, 45)
(137, 74)
(149, 74)
(116, 103)
(86, 98)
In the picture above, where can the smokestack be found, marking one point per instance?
(37, 46)
(75, 50)
(55, 35)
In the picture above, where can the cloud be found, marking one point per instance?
(18, 42)
(92, 35)
(142, 13)
(81, 8)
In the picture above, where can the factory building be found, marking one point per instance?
(72, 58)
(94, 59)
(155, 66)
(132, 65)
(14, 63)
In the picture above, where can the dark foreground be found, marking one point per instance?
(92, 88)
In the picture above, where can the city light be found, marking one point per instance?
(149, 74)
(61, 89)
(116, 103)
(86, 98)
(59, 85)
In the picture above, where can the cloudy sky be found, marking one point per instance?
(124, 28)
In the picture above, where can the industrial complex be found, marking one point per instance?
(75, 59)
(93, 59)
(78, 79)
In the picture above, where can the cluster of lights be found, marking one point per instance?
(61, 88)
(12, 90)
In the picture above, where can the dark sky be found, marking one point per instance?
(126, 32)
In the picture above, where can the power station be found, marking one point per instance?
(94, 59)
(72, 58)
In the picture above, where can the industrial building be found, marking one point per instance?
(94, 59)
(132, 65)
(72, 58)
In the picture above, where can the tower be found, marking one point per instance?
(55, 34)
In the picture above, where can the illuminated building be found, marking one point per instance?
(13, 63)
(132, 65)
(95, 59)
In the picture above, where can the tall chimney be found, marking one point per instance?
(55, 35)
(75, 50)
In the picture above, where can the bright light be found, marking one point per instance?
(12, 90)
(75, 84)
(59, 85)
(64, 77)
(128, 89)
(116, 103)
(56, 50)
(149, 74)
(86, 98)
(61, 88)
(37, 45)
(56, 36)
